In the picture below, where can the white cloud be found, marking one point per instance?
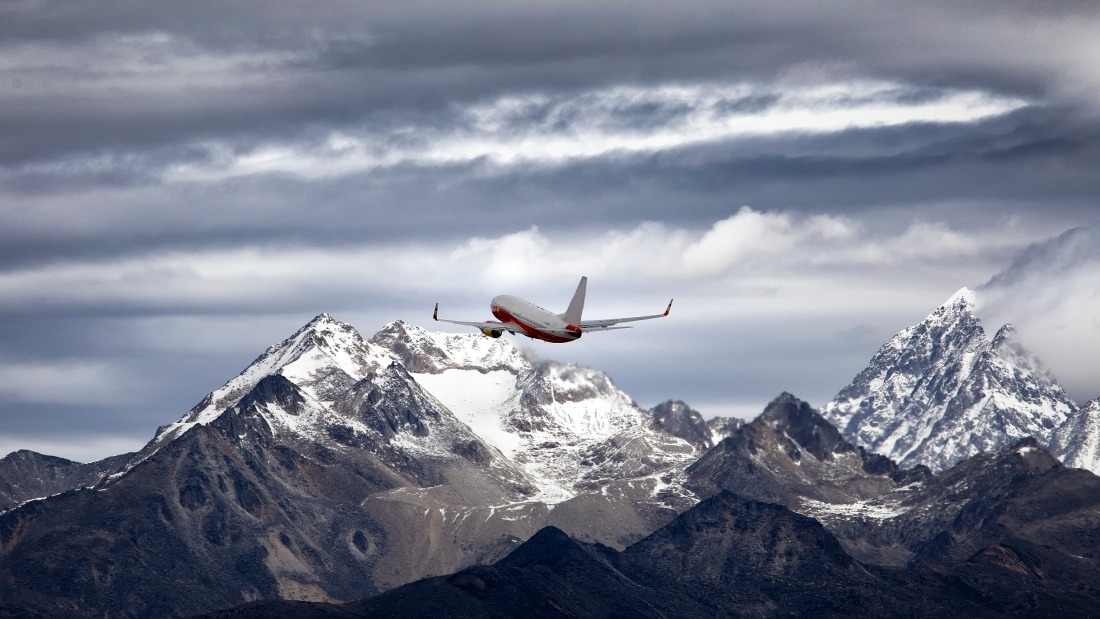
(931, 242)
(752, 235)
(765, 301)
(539, 129)
(759, 250)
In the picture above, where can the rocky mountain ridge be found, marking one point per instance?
(682, 570)
(677, 418)
(888, 516)
(27, 475)
(734, 556)
(333, 468)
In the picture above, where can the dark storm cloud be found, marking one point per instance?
(1026, 159)
(289, 69)
(285, 73)
(1010, 160)
(183, 184)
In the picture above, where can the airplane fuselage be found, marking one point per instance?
(536, 322)
(520, 317)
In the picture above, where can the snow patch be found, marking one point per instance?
(874, 509)
(481, 401)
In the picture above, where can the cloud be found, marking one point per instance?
(182, 192)
(766, 301)
(750, 235)
(1051, 294)
(928, 242)
(538, 129)
(749, 244)
(67, 382)
(281, 89)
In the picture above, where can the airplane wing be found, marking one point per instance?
(491, 325)
(608, 324)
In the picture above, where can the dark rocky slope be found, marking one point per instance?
(727, 557)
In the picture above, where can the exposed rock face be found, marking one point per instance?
(1002, 534)
(679, 419)
(760, 558)
(792, 456)
(334, 468)
(941, 391)
(727, 557)
(791, 452)
(202, 515)
(887, 516)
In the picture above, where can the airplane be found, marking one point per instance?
(524, 318)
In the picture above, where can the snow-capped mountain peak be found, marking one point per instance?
(323, 358)
(551, 431)
(941, 391)
(963, 299)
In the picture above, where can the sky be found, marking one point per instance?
(184, 184)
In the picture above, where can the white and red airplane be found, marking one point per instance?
(525, 318)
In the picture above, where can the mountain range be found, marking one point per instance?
(335, 468)
(1004, 533)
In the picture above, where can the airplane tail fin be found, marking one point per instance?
(573, 314)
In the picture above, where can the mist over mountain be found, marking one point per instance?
(1051, 291)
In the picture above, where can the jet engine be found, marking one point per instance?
(491, 332)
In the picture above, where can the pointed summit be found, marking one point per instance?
(323, 358)
(963, 299)
(321, 318)
(1006, 336)
(795, 418)
(892, 406)
(769, 542)
(941, 391)
(552, 548)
